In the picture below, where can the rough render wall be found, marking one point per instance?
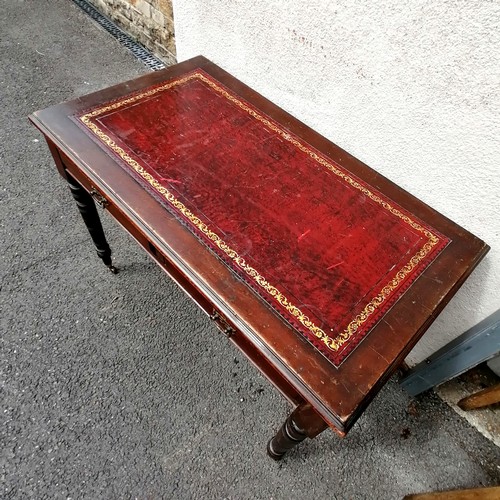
(150, 22)
(410, 87)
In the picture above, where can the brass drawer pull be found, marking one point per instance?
(222, 323)
(98, 198)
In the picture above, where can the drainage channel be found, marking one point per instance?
(139, 51)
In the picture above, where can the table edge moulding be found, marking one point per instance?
(329, 312)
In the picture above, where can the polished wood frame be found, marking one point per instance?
(324, 395)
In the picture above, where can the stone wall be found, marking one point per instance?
(150, 22)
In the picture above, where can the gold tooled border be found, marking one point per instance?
(332, 343)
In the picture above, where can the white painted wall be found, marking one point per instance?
(410, 87)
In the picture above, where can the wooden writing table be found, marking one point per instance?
(324, 273)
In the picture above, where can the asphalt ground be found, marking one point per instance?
(117, 386)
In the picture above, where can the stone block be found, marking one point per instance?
(169, 24)
(165, 6)
(157, 17)
(143, 7)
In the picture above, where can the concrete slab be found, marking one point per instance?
(116, 386)
(486, 420)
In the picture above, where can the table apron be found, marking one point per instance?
(237, 337)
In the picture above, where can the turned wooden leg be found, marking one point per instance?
(303, 422)
(88, 210)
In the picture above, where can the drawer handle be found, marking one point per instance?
(222, 323)
(98, 198)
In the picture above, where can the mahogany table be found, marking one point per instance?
(323, 272)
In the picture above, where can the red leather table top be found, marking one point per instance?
(321, 247)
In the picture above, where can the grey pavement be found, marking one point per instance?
(117, 386)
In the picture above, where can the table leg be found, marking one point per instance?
(302, 423)
(88, 210)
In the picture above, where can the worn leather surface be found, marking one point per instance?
(327, 252)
